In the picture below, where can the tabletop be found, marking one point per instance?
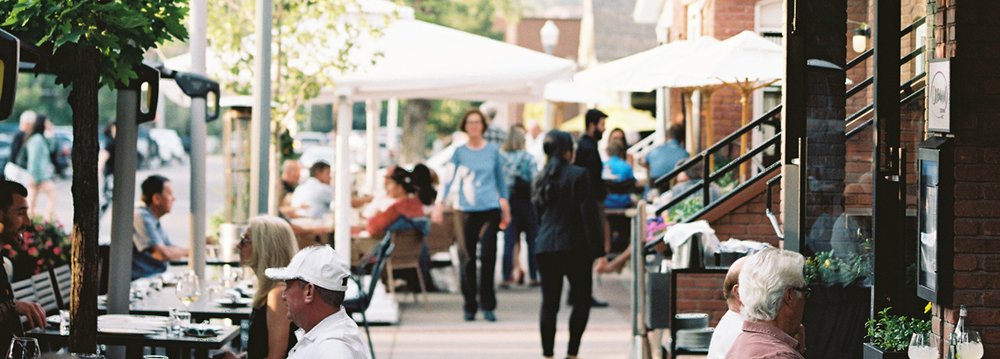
(159, 302)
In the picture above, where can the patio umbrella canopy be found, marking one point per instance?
(424, 60)
(650, 69)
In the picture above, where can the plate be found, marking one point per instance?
(230, 302)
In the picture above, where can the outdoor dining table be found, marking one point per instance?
(159, 302)
(177, 346)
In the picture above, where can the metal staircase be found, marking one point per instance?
(721, 182)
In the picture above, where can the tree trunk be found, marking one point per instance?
(83, 303)
(415, 114)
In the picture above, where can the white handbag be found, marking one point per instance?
(18, 174)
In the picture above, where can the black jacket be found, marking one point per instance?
(570, 221)
(588, 157)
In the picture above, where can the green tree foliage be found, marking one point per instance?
(312, 42)
(120, 31)
(473, 16)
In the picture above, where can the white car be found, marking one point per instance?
(169, 144)
(308, 139)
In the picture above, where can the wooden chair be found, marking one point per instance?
(407, 245)
(45, 293)
(62, 280)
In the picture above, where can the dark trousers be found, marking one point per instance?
(479, 228)
(576, 267)
(522, 219)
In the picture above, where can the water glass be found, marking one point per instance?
(923, 346)
(87, 356)
(969, 345)
(23, 348)
(178, 319)
(63, 322)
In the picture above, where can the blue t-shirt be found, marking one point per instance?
(480, 179)
(617, 170)
(663, 158)
(148, 233)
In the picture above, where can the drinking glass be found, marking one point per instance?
(178, 319)
(87, 356)
(23, 348)
(188, 289)
(969, 345)
(64, 322)
(923, 346)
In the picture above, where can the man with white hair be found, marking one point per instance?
(315, 285)
(731, 324)
(773, 291)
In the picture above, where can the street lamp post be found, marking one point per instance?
(549, 35)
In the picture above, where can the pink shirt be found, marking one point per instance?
(763, 341)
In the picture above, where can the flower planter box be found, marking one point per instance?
(872, 352)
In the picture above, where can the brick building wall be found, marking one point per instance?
(968, 35)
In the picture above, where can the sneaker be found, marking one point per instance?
(470, 316)
(489, 316)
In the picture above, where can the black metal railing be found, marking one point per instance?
(703, 188)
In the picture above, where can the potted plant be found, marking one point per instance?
(889, 335)
(836, 311)
(45, 245)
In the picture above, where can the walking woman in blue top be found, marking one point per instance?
(482, 210)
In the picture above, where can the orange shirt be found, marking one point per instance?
(410, 207)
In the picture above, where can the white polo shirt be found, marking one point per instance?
(336, 336)
(730, 327)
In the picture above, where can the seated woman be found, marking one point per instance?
(267, 243)
(410, 192)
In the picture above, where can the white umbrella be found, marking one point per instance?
(746, 61)
(648, 70)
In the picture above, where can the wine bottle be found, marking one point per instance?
(959, 330)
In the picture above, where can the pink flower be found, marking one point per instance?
(56, 250)
(38, 228)
(33, 252)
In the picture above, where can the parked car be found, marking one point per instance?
(169, 144)
(307, 139)
(4, 150)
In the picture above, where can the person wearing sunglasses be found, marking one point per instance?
(772, 288)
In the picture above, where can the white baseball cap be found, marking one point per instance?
(318, 265)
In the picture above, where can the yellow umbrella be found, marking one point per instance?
(628, 119)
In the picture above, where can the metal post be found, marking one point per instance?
(662, 115)
(123, 202)
(392, 126)
(696, 121)
(342, 183)
(372, 111)
(199, 132)
(793, 124)
(640, 345)
(889, 207)
(261, 116)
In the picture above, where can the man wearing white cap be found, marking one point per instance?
(315, 283)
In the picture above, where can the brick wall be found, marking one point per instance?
(701, 293)
(975, 86)
(747, 221)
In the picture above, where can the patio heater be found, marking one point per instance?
(10, 51)
(237, 159)
(549, 35)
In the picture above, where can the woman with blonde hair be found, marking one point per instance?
(268, 242)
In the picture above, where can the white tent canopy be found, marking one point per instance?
(423, 60)
(647, 70)
(745, 57)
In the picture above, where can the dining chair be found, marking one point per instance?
(62, 280)
(406, 255)
(45, 293)
(380, 253)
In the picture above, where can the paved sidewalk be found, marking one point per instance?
(441, 333)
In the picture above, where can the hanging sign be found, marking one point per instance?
(939, 96)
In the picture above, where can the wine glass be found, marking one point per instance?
(188, 289)
(23, 348)
(923, 346)
(969, 345)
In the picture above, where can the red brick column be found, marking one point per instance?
(975, 90)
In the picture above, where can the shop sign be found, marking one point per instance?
(939, 96)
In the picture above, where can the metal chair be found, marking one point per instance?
(381, 254)
(45, 293)
(62, 280)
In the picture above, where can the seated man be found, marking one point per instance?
(313, 196)
(315, 285)
(731, 324)
(773, 290)
(13, 222)
(152, 249)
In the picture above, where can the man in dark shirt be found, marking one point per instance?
(588, 157)
(13, 220)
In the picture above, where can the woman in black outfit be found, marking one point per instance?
(569, 239)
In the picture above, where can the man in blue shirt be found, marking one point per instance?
(152, 249)
(662, 159)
